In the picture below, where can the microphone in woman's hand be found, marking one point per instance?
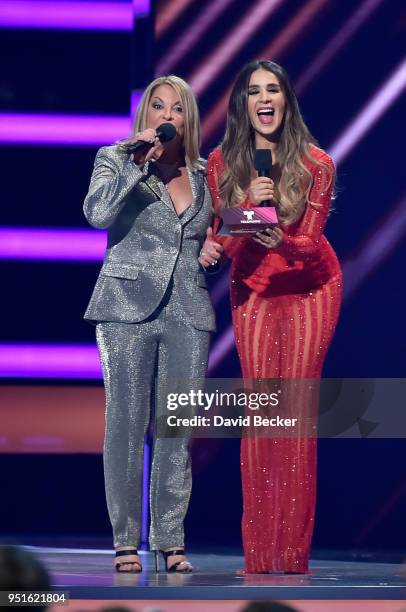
(263, 165)
(165, 132)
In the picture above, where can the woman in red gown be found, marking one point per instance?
(285, 298)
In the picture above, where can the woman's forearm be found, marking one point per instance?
(114, 175)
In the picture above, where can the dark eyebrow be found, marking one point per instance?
(268, 85)
(160, 99)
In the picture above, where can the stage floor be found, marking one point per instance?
(89, 574)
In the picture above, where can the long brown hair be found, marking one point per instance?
(294, 148)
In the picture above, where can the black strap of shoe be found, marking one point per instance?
(125, 553)
(170, 553)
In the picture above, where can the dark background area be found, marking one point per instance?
(362, 485)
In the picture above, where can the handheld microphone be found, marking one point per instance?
(263, 165)
(165, 132)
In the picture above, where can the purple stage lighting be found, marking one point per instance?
(194, 32)
(71, 15)
(369, 114)
(222, 347)
(386, 237)
(62, 130)
(52, 244)
(245, 29)
(136, 96)
(337, 42)
(49, 361)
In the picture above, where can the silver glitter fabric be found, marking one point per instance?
(148, 244)
(153, 317)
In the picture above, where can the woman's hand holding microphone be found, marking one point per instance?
(260, 190)
(155, 152)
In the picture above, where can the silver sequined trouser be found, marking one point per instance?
(133, 356)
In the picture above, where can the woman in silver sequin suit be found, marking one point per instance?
(152, 312)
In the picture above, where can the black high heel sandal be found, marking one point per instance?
(174, 567)
(131, 552)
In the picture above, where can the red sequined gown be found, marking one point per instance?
(285, 305)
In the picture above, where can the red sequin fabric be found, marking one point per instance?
(285, 305)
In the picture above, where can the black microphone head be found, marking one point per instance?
(165, 132)
(263, 160)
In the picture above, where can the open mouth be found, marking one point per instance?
(265, 115)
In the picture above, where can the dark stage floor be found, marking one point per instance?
(88, 574)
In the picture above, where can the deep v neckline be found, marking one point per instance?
(169, 197)
(184, 211)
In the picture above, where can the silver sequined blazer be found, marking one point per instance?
(148, 244)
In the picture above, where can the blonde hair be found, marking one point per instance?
(294, 149)
(191, 138)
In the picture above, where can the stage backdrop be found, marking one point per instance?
(72, 85)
